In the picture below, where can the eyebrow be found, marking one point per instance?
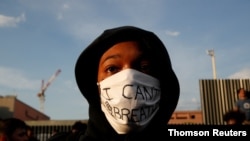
(111, 57)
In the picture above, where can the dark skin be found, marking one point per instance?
(19, 135)
(122, 56)
(241, 95)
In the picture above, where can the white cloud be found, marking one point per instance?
(60, 16)
(173, 33)
(64, 7)
(7, 21)
(242, 74)
(15, 79)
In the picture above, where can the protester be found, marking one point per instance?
(78, 126)
(127, 78)
(77, 131)
(233, 117)
(13, 129)
(243, 104)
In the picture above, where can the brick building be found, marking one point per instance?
(186, 117)
(10, 106)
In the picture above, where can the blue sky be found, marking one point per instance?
(39, 37)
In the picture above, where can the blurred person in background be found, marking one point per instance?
(243, 104)
(233, 117)
(13, 129)
(77, 131)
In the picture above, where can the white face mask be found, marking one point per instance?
(129, 100)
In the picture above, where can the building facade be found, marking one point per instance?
(218, 97)
(186, 117)
(10, 106)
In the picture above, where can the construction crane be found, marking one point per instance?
(41, 94)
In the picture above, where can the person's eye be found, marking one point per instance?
(111, 69)
(145, 67)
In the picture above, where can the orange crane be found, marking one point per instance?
(41, 94)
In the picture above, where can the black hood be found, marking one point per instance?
(87, 66)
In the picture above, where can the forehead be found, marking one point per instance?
(127, 45)
(124, 45)
(126, 48)
(121, 50)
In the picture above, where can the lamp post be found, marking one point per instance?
(211, 53)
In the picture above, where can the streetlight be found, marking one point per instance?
(211, 53)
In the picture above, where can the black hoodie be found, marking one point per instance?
(86, 69)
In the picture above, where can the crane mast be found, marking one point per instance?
(44, 87)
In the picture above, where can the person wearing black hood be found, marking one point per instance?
(127, 78)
